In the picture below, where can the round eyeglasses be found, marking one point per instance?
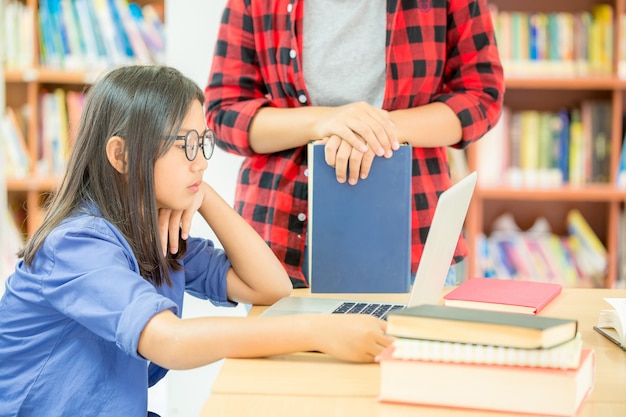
(194, 141)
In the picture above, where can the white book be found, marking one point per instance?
(563, 356)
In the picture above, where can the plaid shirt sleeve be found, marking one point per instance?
(474, 81)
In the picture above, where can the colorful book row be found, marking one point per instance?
(84, 35)
(577, 260)
(59, 117)
(531, 148)
(557, 43)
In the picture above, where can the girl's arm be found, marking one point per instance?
(256, 276)
(176, 343)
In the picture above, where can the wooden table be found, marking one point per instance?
(312, 384)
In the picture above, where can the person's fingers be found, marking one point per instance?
(163, 225)
(330, 149)
(341, 161)
(174, 230)
(366, 163)
(354, 166)
(185, 222)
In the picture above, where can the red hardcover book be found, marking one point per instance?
(525, 297)
(505, 388)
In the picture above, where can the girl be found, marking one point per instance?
(96, 298)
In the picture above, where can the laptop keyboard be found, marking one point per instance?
(379, 310)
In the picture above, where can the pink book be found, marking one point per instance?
(526, 297)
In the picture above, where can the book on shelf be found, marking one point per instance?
(612, 322)
(555, 44)
(358, 235)
(74, 102)
(525, 297)
(75, 58)
(563, 356)
(89, 32)
(593, 248)
(518, 389)
(13, 145)
(620, 176)
(601, 132)
(18, 28)
(50, 50)
(466, 325)
(129, 25)
(54, 132)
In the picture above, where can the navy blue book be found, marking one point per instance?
(359, 236)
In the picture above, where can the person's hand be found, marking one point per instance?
(357, 132)
(351, 337)
(175, 224)
(349, 163)
(362, 126)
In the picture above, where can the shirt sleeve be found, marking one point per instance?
(474, 80)
(93, 279)
(205, 272)
(236, 89)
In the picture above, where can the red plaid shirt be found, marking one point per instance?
(437, 50)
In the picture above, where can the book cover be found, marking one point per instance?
(359, 236)
(466, 325)
(519, 389)
(526, 297)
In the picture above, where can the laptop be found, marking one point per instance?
(431, 272)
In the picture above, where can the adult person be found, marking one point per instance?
(363, 76)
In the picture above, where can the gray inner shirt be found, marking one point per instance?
(343, 55)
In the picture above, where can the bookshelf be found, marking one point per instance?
(544, 88)
(24, 83)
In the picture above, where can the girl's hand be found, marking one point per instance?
(351, 337)
(176, 224)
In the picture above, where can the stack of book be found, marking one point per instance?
(478, 359)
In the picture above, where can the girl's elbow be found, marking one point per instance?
(280, 288)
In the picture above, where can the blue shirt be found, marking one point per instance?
(70, 323)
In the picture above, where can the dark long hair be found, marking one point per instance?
(145, 105)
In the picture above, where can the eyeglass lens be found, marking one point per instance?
(192, 143)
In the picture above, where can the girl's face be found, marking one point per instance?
(176, 179)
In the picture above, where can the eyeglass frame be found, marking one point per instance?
(212, 140)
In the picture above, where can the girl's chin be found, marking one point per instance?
(174, 206)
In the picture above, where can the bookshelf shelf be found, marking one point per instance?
(600, 201)
(593, 192)
(567, 83)
(32, 184)
(51, 76)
